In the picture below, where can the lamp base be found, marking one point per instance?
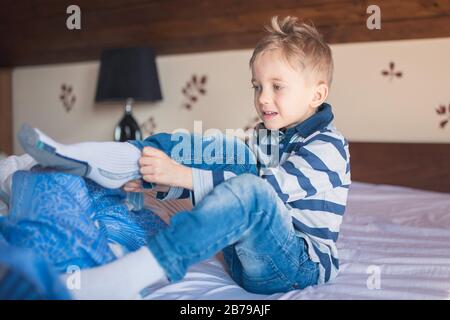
(127, 128)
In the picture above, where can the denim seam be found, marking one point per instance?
(163, 259)
(232, 261)
(288, 256)
(277, 272)
(296, 262)
(215, 244)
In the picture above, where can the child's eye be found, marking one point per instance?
(277, 87)
(256, 87)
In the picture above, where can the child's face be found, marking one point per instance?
(283, 97)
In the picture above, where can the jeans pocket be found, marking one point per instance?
(260, 274)
(300, 270)
(308, 275)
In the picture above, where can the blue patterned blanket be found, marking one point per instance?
(71, 221)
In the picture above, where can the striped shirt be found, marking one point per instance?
(312, 178)
(309, 167)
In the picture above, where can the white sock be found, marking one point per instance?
(121, 279)
(112, 163)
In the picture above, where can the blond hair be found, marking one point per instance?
(301, 44)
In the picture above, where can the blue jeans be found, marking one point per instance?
(243, 217)
(233, 155)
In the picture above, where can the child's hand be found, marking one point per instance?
(159, 168)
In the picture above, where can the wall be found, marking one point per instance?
(368, 105)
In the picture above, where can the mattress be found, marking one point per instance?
(394, 244)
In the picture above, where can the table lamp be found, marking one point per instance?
(128, 75)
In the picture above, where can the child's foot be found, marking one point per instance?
(121, 279)
(110, 164)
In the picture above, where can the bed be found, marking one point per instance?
(394, 241)
(394, 244)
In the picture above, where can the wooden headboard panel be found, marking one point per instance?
(6, 110)
(417, 165)
(180, 26)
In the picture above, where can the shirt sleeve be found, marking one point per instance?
(173, 193)
(204, 181)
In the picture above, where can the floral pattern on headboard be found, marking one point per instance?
(193, 89)
(444, 112)
(148, 126)
(67, 97)
(391, 73)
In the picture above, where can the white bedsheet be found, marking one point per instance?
(400, 234)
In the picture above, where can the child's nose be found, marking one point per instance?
(264, 98)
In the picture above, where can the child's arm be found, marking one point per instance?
(172, 180)
(157, 167)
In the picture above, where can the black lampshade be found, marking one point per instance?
(128, 73)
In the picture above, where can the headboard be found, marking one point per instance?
(417, 165)
(6, 110)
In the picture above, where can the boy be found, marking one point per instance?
(277, 230)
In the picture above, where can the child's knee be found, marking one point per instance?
(251, 180)
(250, 183)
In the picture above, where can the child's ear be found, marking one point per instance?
(320, 94)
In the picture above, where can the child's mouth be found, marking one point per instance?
(267, 115)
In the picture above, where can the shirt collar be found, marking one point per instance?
(317, 121)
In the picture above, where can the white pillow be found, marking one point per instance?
(7, 167)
